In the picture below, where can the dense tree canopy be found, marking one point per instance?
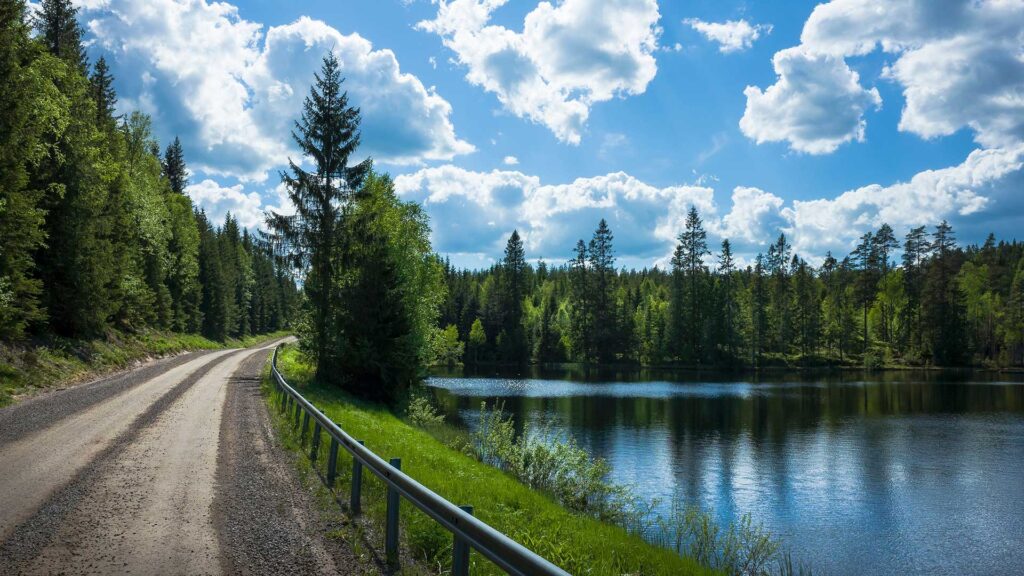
(96, 232)
(945, 305)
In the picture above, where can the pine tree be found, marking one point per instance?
(942, 300)
(174, 168)
(1014, 321)
(915, 252)
(513, 275)
(688, 261)
(727, 308)
(57, 22)
(867, 258)
(602, 269)
(807, 307)
(328, 134)
(215, 301)
(758, 311)
(101, 89)
(24, 112)
(581, 312)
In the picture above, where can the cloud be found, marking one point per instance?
(218, 200)
(568, 56)
(927, 198)
(510, 161)
(474, 212)
(816, 105)
(959, 62)
(731, 35)
(231, 91)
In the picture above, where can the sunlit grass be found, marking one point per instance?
(60, 361)
(577, 543)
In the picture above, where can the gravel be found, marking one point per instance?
(44, 410)
(266, 522)
(193, 482)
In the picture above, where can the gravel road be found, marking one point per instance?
(169, 469)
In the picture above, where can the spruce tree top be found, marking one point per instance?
(58, 24)
(174, 166)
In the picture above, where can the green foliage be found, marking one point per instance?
(446, 349)
(945, 305)
(422, 414)
(389, 293)
(96, 238)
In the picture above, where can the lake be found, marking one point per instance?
(901, 473)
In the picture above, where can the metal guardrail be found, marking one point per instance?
(468, 532)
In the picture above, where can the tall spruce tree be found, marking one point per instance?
(327, 134)
(688, 261)
(26, 108)
(758, 311)
(513, 275)
(581, 312)
(57, 21)
(601, 256)
(942, 300)
(101, 89)
(727, 306)
(866, 258)
(174, 168)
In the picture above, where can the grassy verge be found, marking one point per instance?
(59, 362)
(579, 544)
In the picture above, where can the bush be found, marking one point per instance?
(422, 414)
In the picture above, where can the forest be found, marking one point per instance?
(97, 234)
(922, 301)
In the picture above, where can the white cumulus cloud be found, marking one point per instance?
(731, 35)
(231, 90)
(960, 64)
(568, 56)
(474, 212)
(927, 198)
(217, 201)
(816, 105)
(510, 161)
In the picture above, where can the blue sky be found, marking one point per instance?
(817, 121)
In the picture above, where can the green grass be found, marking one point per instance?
(579, 544)
(60, 361)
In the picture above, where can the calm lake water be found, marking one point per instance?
(904, 473)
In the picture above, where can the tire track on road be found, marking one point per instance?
(42, 411)
(146, 508)
(45, 475)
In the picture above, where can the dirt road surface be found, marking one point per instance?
(168, 469)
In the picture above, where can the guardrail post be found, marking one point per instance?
(298, 412)
(357, 485)
(305, 428)
(460, 551)
(391, 536)
(332, 463)
(315, 449)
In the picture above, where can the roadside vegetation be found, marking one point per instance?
(60, 362)
(544, 492)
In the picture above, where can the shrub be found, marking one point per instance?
(422, 413)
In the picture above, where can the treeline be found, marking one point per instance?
(96, 232)
(939, 304)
